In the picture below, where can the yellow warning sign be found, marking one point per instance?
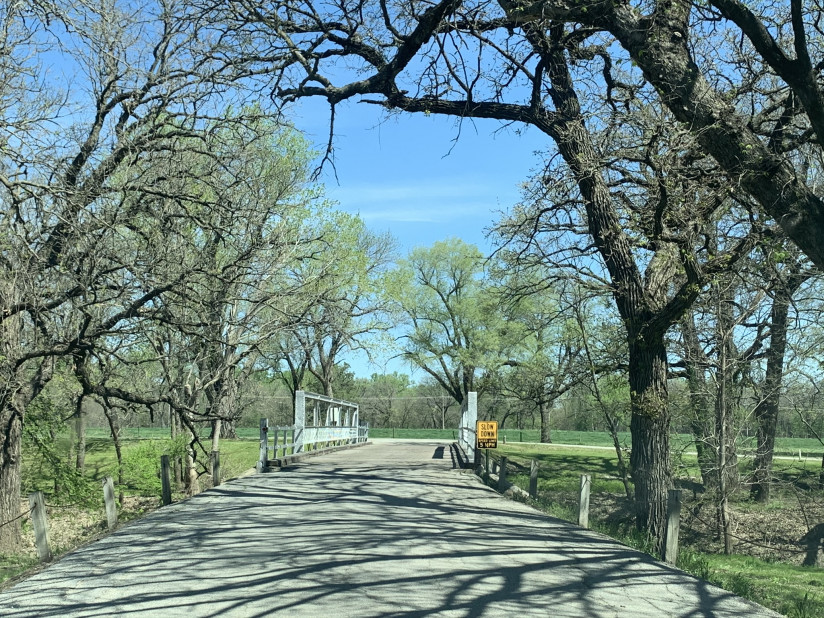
(487, 432)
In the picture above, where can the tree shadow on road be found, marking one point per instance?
(346, 539)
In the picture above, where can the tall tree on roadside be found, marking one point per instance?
(789, 273)
(518, 62)
(341, 286)
(452, 315)
(75, 230)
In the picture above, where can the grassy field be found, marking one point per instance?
(141, 465)
(809, 447)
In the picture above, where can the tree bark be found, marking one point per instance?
(650, 425)
(701, 421)
(725, 398)
(546, 436)
(15, 396)
(114, 428)
(80, 424)
(766, 412)
(217, 425)
(11, 433)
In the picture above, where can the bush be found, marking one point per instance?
(141, 467)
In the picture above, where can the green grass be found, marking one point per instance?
(794, 591)
(162, 433)
(562, 467)
(12, 566)
(809, 447)
(413, 434)
(141, 461)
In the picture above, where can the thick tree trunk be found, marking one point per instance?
(15, 397)
(546, 436)
(650, 427)
(11, 428)
(636, 301)
(228, 429)
(192, 484)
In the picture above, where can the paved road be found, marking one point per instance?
(383, 530)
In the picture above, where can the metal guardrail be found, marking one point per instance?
(320, 437)
(282, 440)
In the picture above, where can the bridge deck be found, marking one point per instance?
(384, 530)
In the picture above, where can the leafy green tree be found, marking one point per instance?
(451, 314)
(546, 356)
(341, 286)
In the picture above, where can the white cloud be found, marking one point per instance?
(426, 202)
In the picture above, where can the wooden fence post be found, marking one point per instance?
(41, 525)
(533, 479)
(109, 501)
(673, 526)
(263, 459)
(215, 468)
(583, 503)
(164, 479)
(502, 475)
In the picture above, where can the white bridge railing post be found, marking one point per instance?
(469, 418)
(300, 421)
(264, 444)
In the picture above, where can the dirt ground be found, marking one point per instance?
(71, 526)
(772, 532)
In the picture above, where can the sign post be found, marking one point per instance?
(487, 433)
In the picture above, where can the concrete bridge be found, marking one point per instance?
(388, 529)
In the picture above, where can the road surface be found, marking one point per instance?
(388, 529)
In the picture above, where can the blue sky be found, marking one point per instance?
(407, 174)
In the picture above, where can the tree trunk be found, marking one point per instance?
(766, 412)
(650, 427)
(228, 429)
(114, 427)
(80, 427)
(728, 476)
(701, 421)
(11, 429)
(15, 396)
(723, 480)
(192, 485)
(546, 436)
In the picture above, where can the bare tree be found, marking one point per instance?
(81, 157)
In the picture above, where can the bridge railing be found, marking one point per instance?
(466, 429)
(334, 422)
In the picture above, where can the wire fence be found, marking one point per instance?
(21, 516)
